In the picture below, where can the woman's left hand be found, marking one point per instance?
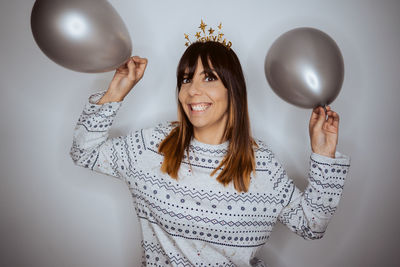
(324, 132)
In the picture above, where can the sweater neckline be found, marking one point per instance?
(208, 149)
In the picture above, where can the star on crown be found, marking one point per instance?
(209, 37)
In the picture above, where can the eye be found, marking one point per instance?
(210, 78)
(185, 80)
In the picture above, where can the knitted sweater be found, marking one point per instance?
(195, 220)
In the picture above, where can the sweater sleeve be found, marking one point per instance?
(308, 213)
(93, 149)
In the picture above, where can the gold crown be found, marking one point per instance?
(210, 36)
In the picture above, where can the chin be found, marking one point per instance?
(196, 123)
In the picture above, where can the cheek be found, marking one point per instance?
(181, 98)
(221, 96)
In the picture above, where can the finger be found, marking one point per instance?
(122, 67)
(330, 120)
(321, 118)
(141, 67)
(139, 59)
(141, 64)
(144, 62)
(132, 69)
(335, 120)
(314, 114)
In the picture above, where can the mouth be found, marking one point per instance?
(199, 107)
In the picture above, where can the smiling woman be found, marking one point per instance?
(212, 104)
(204, 98)
(188, 216)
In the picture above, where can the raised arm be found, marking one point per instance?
(91, 147)
(308, 213)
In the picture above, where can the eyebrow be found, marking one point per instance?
(203, 72)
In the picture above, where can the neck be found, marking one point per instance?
(211, 136)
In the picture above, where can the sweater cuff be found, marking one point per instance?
(94, 98)
(340, 159)
(91, 105)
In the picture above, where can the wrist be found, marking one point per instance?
(110, 97)
(323, 153)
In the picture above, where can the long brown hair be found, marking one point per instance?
(239, 160)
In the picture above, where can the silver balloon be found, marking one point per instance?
(304, 67)
(82, 35)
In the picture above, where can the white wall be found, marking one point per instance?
(53, 213)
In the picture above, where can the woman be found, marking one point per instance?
(206, 192)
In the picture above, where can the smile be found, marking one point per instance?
(199, 107)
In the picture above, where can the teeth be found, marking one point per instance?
(199, 107)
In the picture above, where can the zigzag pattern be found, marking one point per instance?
(180, 261)
(153, 248)
(319, 207)
(283, 174)
(265, 149)
(114, 159)
(204, 219)
(304, 231)
(205, 195)
(325, 185)
(162, 129)
(287, 217)
(213, 151)
(100, 115)
(126, 146)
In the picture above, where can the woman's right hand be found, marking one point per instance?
(125, 78)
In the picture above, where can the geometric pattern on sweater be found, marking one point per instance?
(195, 220)
(205, 195)
(189, 217)
(176, 260)
(203, 237)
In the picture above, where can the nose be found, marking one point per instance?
(195, 88)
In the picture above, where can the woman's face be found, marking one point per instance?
(205, 101)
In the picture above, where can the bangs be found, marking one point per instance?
(209, 53)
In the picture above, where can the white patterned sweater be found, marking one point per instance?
(196, 221)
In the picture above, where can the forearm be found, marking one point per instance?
(308, 213)
(91, 130)
(109, 97)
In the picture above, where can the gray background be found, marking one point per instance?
(56, 214)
